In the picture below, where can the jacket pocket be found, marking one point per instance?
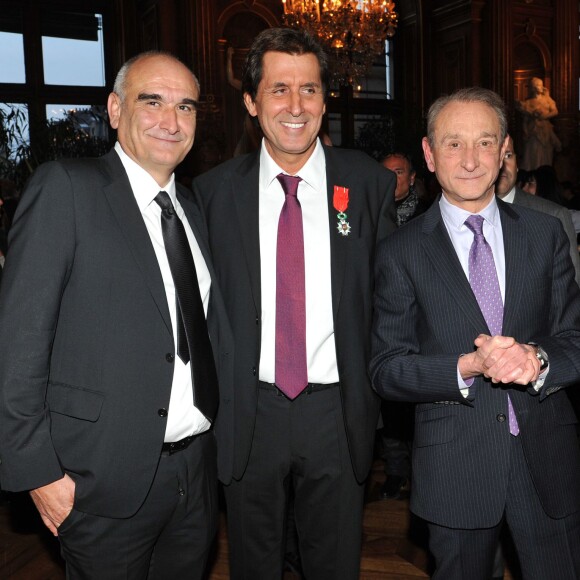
(562, 409)
(75, 401)
(434, 427)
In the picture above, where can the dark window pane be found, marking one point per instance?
(335, 129)
(374, 134)
(90, 119)
(377, 84)
(72, 49)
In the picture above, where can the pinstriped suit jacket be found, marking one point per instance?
(426, 315)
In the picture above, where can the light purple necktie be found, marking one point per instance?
(485, 286)
(291, 369)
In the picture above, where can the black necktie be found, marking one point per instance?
(192, 335)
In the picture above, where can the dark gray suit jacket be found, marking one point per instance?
(427, 316)
(526, 199)
(229, 197)
(85, 336)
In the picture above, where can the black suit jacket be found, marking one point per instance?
(229, 197)
(427, 316)
(85, 335)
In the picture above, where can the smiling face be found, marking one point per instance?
(155, 117)
(289, 105)
(467, 153)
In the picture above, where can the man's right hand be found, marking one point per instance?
(54, 502)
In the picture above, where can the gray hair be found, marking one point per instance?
(468, 95)
(121, 78)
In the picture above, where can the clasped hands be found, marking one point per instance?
(501, 359)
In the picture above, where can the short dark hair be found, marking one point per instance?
(468, 95)
(287, 40)
(401, 154)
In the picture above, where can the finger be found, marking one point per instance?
(522, 375)
(49, 524)
(481, 339)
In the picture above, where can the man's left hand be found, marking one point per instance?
(515, 364)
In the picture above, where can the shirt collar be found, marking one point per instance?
(455, 216)
(509, 198)
(144, 187)
(310, 173)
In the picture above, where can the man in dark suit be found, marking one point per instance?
(477, 320)
(507, 190)
(99, 415)
(303, 417)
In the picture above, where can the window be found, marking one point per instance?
(72, 49)
(378, 83)
(11, 58)
(53, 71)
(356, 109)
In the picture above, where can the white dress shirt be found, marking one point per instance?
(462, 237)
(320, 344)
(183, 417)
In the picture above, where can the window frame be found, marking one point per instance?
(34, 93)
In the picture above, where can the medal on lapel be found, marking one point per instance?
(340, 202)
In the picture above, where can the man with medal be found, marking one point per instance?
(293, 229)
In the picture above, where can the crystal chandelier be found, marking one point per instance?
(353, 32)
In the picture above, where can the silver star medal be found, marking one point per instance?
(343, 226)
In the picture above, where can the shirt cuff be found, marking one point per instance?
(464, 385)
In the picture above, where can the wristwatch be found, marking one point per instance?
(541, 355)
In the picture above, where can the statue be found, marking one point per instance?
(540, 140)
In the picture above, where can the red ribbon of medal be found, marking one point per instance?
(340, 199)
(340, 202)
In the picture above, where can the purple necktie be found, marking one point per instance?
(485, 286)
(291, 369)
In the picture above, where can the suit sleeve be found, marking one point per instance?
(562, 341)
(566, 219)
(39, 261)
(399, 371)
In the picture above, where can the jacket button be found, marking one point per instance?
(169, 357)
(254, 371)
(257, 320)
(501, 418)
(162, 412)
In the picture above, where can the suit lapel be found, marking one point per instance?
(130, 221)
(245, 196)
(195, 221)
(515, 249)
(440, 251)
(335, 175)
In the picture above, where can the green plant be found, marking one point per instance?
(52, 139)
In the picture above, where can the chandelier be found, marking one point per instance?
(353, 32)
